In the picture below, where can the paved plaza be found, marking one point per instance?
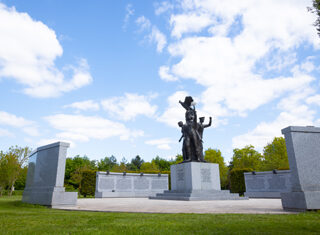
(144, 205)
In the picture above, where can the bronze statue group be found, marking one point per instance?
(192, 132)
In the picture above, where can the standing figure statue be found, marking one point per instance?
(192, 147)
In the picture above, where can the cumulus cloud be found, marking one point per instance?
(28, 50)
(163, 143)
(83, 128)
(129, 106)
(163, 7)
(164, 73)
(27, 126)
(84, 105)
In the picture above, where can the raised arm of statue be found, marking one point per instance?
(209, 124)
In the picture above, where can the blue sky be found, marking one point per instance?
(107, 76)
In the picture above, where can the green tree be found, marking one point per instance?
(275, 155)
(12, 164)
(74, 167)
(135, 163)
(179, 158)
(246, 157)
(107, 163)
(149, 166)
(163, 164)
(316, 10)
(214, 156)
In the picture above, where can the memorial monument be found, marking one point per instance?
(112, 184)
(303, 148)
(45, 177)
(194, 178)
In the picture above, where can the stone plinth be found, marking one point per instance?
(114, 184)
(45, 177)
(193, 181)
(303, 148)
(267, 184)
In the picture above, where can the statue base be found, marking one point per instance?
(196, 181)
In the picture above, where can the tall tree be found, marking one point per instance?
(163, 164)
(246, 157)
(107, 163)
(214, 156)
(135, 163)
(12, 163)
(316, 10)
(275, 155)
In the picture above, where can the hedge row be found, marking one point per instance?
(237, 184)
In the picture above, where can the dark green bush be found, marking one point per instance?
(88, 183)
(237, 184)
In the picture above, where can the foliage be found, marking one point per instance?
(237, 184)
(74, 168)
(107, 163)
(214, 156)
(163, 164)
(246, 157)
(135, 164)
(275, 155)
(88, 183)
(179, 159)
(11, 165)
(21, 180)
(316, 9)
(119, 168)
(149, 166)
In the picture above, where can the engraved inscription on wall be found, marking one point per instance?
(124, 184)
(159, 183)
(277, 183)
(205, 175)
(106, 183)
(140, 183)
(255, 184)
(180, 174)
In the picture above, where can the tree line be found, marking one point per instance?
(13, 167)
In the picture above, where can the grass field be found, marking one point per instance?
(19, 218)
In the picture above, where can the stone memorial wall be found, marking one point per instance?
(111, 184)
(45, 177)
(267, 184)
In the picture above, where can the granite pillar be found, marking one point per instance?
(303, 148)
(45, 177)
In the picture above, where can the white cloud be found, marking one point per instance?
(159, 38)
(5, 133)
(8, 119)
(293, 113)
(84, 105)
(163, 143)
(175, 112)
(155, 35)
(143, 22)
(129, 106)
(129, 13)
(84, 128)
(28, 49)
(189, 23)
(164, 73)
(163, 7)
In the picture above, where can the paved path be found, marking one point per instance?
(144, 205)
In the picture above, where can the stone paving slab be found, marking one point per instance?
(144, 205)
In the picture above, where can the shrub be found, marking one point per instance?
(88, 183)
(237, 184)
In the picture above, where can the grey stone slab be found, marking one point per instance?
(303, 148)
(45, 177)
(195, 181)
(267, 184)
(129, 185)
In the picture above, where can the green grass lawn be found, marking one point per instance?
(20, 218)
